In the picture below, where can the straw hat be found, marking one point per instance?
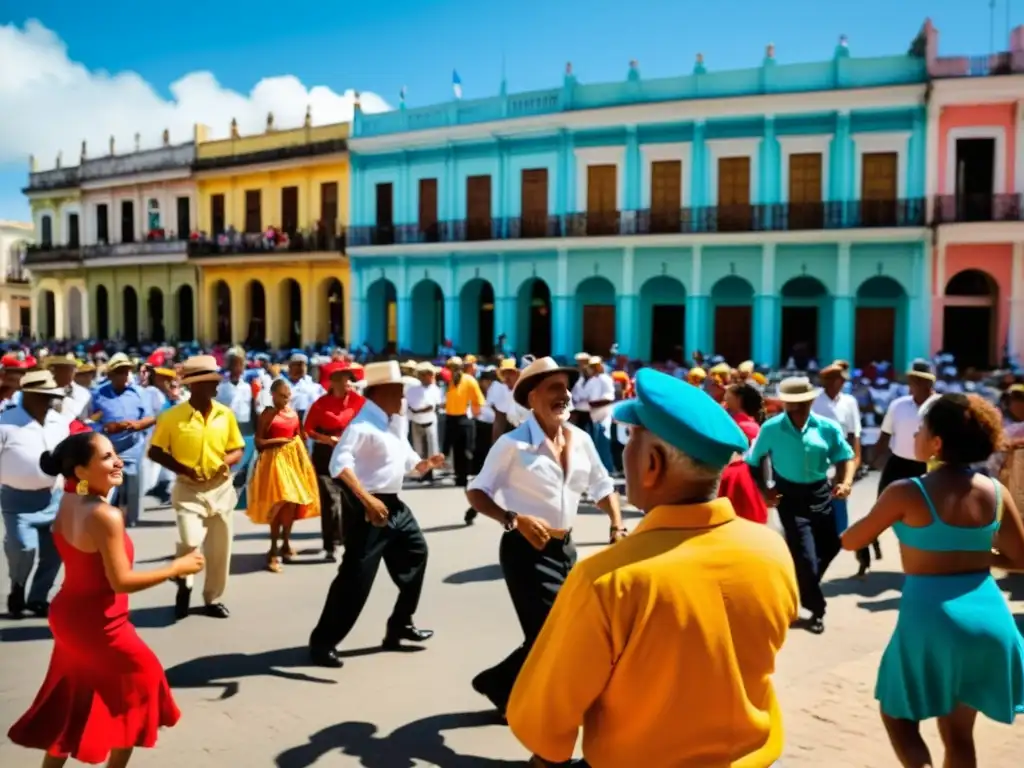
(535, 373)
(508, 364)
(52, 360)
(86, 368)
(200, 368)
(582, 357)
(167, 372)
(120, 360)
(454, 362)
(922, 369)
(40, 383)
(426, 367)
(376, 374)
(835, 368)
(797, 389)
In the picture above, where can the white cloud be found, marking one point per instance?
(49, 103)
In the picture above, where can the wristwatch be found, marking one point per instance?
(510, 521)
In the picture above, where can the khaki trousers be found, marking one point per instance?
(204, 512)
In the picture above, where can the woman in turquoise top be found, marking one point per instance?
(956, 650)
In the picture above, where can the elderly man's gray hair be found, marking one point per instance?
(684, 464)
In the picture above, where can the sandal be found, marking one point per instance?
(274, 564)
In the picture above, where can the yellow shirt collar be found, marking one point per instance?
(707, 514)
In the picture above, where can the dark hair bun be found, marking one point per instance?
(49, 463)
(71, 452)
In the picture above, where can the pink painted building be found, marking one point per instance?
(975, 176)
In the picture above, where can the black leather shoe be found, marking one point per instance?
(181, 601)
(470, 516)
(16, 602)
(216, 610)
(325, 657)
(331, 555)
(393, 639)
(39, 608)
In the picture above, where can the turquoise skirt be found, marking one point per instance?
(955, 643)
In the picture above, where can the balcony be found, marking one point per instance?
(43, 255)
(145, 249)
(779, 217)
(259, 244)
(16, 276)
(954, 209)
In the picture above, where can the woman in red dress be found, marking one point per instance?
(745, 404)
(105, 692)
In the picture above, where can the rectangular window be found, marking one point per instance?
(805, 208)
(879, 189)
(602, 202)
(385, 214)
(217, 223)
(734, 211)
(534, 203)
(184, 217)
(127, 221)
(428, 211)
(478, 207)
(666, 195)
(329, 206)
(102, 224)
(253, 211)
(73, 231)
(290, 210)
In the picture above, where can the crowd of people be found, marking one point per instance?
(701, 591)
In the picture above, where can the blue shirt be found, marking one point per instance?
(130, 405)
(800, 456)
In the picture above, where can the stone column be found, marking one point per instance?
(697, 325)
(356, 309)
(60, 319)
(626, 304)
(842, 309)
(452, 323)
(765, 337)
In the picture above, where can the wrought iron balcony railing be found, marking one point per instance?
(36, 255)
(247, 243)
(780, 217)
(143, 248)
(950, 209)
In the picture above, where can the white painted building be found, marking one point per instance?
(15, 297)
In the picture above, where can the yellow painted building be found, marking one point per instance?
(291, 287)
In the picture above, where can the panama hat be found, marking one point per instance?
(41, 383)
(377, 374)
(835, 368)
(508, 364)
(797, 389)
(535, 373)
(922, 369)
(52, 360)
(120, 360)
(426, 367)
(200, 368)
(454, 362)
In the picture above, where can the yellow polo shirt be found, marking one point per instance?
(662, 648)
(460, 399)
(194, 441)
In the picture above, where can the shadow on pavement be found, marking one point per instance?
(875, 584)
(264, 535)
(474, 575)
(421, 741)
(144, 523)
(154, 617)
(225, 670)
(445, 528)
(25, 633)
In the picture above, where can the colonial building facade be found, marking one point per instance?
(272, 214)
(751, 213)
(15, 299)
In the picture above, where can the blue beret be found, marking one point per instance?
(684, 417)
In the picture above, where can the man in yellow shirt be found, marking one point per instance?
(662, 646)
(199, 441)
(462, 403)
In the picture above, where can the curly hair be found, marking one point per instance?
(751, 400)
(970, 427)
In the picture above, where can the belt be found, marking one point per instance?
(559, 533)
(386, 497)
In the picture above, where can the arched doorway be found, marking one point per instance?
(155, 310)
(186, 314)
(476, 317)
(533, 305)
(75, 313)
(335, 298)
(256, 332)
(595, 315)
(47, 317)
(382, 317)
(880, 323)
(130, 305)
(732, 313)
(428, 317)
(663, 319)
(102, 312)
(290, 303)
(969, 319)
(222, 312)
(803, 327)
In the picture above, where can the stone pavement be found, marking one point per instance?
(249, 698)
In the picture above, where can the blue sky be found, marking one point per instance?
(383, 46)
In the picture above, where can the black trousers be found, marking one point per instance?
(809, 524)
(459, 440)
(402, 547)
(332, 498)
(481, 444)
(533, 579)
(582, 420)
(896, 468)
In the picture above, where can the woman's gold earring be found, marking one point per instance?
(82, 489)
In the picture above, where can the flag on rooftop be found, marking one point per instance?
(401, 95)
(456, 84)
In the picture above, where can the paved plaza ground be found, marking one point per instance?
(249, 697)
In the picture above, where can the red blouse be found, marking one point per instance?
(284, 425)
(330, 414)
(738, 483)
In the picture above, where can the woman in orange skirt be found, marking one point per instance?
(283, 485)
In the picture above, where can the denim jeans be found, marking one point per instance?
(28, 516)
(601, 435)
(240, 472)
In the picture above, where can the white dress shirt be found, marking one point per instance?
(523, 476)
(238, 397)
(580, 402)
(22, 441)
(901, 422)
(503, 401)
(420, 396)
(77, 404)
(487, 414)
(379, 458)
(305, 392)
(263, 400)
(843, 410)
(597, 389)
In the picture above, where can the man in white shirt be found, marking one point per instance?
(304, 389)
(422, 402)
(236, 393)
(508, 414)
(29, 498)
(896, 441)
(833, 403)
(580, 404)
(77, 400)
(525, 486)
(599, 392)
(372, 463)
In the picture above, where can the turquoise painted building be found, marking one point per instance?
(749, 213)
